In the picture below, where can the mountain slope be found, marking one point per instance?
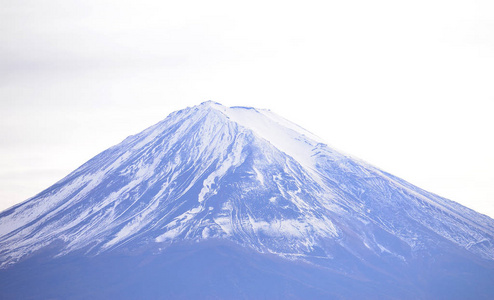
(212, 174)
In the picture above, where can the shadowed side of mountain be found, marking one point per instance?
(218, 269)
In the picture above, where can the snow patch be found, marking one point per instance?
(233, 160)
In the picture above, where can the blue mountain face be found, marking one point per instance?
(218, 202)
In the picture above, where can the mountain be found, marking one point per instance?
(218, 202)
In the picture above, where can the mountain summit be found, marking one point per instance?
(244, 192)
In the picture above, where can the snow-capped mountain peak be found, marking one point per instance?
(241, 174)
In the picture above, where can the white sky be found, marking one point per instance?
(405, 85)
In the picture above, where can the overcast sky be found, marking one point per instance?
(407, 86)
